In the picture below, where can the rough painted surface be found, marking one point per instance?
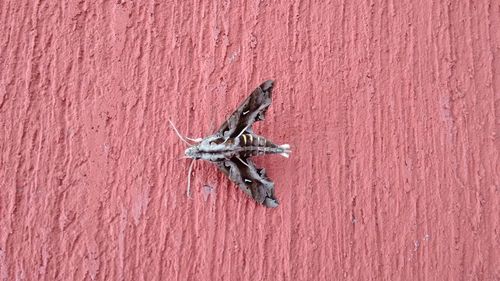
(390, 107)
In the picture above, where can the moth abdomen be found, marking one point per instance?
(255, 141)
(254, 145)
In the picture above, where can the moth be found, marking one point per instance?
(231, 147)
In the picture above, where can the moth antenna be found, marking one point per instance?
(188, 192)
(194, 140)
(179, 135)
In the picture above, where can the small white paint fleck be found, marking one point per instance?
(233, 56)
(417, 245)
(207, 191)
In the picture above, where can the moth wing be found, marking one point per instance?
(252, 180)
(252, 109)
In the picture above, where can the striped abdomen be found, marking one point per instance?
(255, 141)
(252, 145)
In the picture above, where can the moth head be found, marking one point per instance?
(193, 152)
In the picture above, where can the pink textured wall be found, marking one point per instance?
(389, 106)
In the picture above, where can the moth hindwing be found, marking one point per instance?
(234, 143)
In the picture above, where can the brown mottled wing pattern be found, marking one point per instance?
(252, 180)
(241, 170)
(251, 110)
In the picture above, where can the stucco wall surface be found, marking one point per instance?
(391, 109)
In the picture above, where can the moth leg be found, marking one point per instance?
(244, 163)
(262, 172)
(242, 131)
